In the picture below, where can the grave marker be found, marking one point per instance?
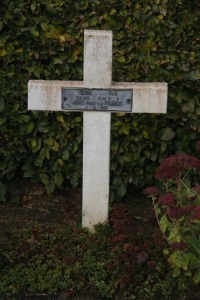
(97, 96)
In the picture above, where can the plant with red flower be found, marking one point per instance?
(195, 216)
(152, 190)
(177, 209)
(179, 246)
(167, 200)
(176, 213)
(174, 165)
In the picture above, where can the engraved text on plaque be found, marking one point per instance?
(97, 99)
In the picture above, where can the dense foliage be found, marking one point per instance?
(154, 40)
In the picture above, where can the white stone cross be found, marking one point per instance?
(48, 95)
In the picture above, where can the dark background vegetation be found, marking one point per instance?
(155, 40)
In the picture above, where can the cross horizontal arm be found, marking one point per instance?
(46, 94)
(147, 97)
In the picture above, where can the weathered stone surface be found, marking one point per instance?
(147, 97)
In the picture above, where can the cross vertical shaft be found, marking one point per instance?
(96, 130)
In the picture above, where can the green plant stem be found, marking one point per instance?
(154, 205)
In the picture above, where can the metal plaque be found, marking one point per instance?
(97, 99)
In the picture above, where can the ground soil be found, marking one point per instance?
(36, 207)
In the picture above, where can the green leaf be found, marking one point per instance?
(187, 273)
(28, 173)
(175, 259)
(194, 244)
(49, 141)
(195, 263)
(197, 276)
(74, 56)
(40, 158)
(60, 119)
(125, 129)
(193, 75)
(188, 107)
(3, 120)
(3, 53)
(163, 223)
(44, 178)
(167, 134)
(166, 251)
(33, 6)
(1, 103)
(65, 155)
(163, 147)
(47, 155)
(114, 146)
(23, 118)
(15, 107)
(44, 26)
(198, 111)
(30, 127)
(121, 190)
(158, 210)
(121, 58)
(187, 257)
(77, 120)
(113, 11)
(176, 272)
(37, 144)
(50, 187)
(145, 134)
(35, 32)
(197, 200)
(93, 21)
(57, 61)
(51, 9)
(58, 178)
(55, 145)
(153, 155)
(2, 192)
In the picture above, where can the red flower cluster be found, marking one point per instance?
(173, 165)
(178, 212)
(179, 246)
(167, 199)
(151, 191)
(196, 216)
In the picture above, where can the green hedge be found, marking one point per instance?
(155, 40)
